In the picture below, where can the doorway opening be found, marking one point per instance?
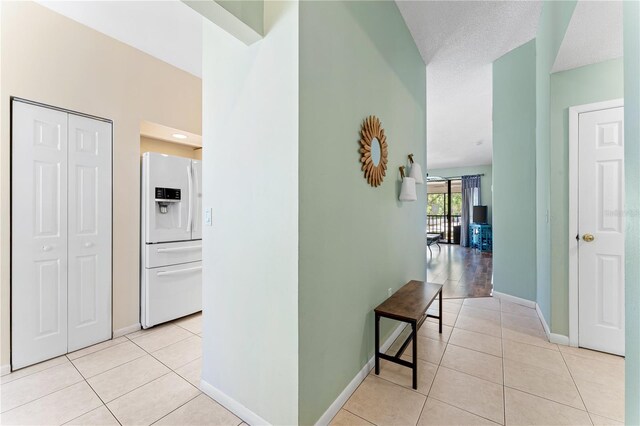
(444, 209)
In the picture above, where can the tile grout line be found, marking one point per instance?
(535, 395)
(171, 370)
(109, 369)
(463, 409)
(576, 385)
(96, 394)
(152, 356)
(85, 379)
(35, 372)
(144, 384)
(435, 374)
(360, 417)
(546, 399)
(180, 406)
(46, 395)
(99, 350)
(166, 346)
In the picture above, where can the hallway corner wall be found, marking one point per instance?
(514, 172)
(356, 59)
(250, 253)
(553, 24)
(632, 194)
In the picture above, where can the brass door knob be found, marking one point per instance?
(588, 237)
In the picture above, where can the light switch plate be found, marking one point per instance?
(207, 216)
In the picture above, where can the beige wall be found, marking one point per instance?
(170, 148)
(48, 58)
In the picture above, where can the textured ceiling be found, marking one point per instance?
(168, 30)
(594, 35)
(458, 41)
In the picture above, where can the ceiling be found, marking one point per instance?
(169, 134)
(168, 30)
(594, 35)
(459, 40)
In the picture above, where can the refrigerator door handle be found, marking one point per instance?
(178, 249)
(179, 271)
(190, 215)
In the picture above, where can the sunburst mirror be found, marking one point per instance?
(373, 150)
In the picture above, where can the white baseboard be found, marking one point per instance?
(553, 337)
(232, 405)
(126, 330)
(353, 385)
(5, 369)
(547, 330)
(558, 339)
(514, 299)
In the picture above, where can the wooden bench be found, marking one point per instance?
(409, 304)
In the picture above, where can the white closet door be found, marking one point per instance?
(38, 234)
(89, 231)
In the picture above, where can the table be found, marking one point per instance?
(409, 304)
(433, 239)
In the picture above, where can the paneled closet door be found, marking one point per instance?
(38, 234)
(89, 231)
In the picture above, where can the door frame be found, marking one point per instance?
(574, 116)
(68, 111)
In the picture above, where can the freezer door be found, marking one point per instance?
(171, 292)
(196, 232)
(167, 211)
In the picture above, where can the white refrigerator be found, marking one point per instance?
(171, 245)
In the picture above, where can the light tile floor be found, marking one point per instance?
(492, 365)
(150, 376)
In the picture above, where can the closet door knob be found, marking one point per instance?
(87, 245)
(46, 248)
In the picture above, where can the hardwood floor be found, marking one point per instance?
(463, 272)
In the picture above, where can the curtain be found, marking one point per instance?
(470, 198)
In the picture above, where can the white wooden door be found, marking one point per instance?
(38, 234)
(89, 284)
(601, 230)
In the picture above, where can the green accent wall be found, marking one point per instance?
(579, 86)
(514, 172)
(485, 181)
(251, 12)
(632, 193)
(554, 20)
(356, 59)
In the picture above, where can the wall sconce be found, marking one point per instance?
(408, 189)
(416, 171)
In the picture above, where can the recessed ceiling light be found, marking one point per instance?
(179, 136)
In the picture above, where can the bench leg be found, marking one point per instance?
(414, 330)
(377, 344)
(440, 313)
